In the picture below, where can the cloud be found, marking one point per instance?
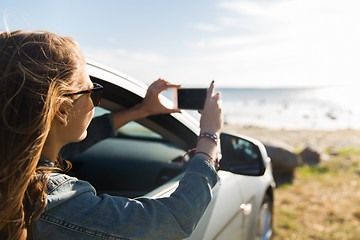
(206, 27)
(235, 41)
(250, 8)
(298, 42)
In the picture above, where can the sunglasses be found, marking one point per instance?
(95, 94)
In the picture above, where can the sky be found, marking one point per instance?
(237, 43)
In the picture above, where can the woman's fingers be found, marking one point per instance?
(211, 116)
(152, 103)
(210, 91)
(217, 98)
(161, 85)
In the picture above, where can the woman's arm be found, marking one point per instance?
(103, 127)
(75, 212)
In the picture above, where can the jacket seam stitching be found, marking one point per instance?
(76, 228)
(55, 183)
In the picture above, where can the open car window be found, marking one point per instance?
(131, 129)
(100, 111)
(134, 162)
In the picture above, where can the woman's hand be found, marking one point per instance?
(151, 104)
(211, 116)
(211, 122)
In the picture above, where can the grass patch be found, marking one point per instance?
(357, 214)
(348, 151)
(311, 171)
(322, 203)
(343, 151)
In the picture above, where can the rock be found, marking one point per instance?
(310, 157)
(284, 161)
(333, 153)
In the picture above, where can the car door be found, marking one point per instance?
(231, 210)
(223, 218)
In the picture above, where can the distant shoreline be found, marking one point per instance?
(323, 141)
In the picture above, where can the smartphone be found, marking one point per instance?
(189, 98)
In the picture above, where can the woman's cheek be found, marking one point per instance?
(91, 115)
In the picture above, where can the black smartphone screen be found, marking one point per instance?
(191, 98)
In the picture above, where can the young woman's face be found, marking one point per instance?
(82, 111)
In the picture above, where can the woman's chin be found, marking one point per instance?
(83, 136)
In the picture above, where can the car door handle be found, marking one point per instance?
(246, 208)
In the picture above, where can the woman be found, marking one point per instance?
(47, 101)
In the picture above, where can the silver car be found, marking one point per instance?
(144, 159)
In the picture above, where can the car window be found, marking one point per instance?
(100, 111)
(131, 164)
(131, 129)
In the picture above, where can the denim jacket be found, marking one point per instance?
(75, 211)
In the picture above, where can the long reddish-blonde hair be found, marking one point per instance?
(36, 70)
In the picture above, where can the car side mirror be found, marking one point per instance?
(242, 155)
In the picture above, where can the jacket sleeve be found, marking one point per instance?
(100, 128)
(83, 215)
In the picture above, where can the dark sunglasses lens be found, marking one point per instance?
(96, 97)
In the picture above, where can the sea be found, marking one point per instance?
(317, 108)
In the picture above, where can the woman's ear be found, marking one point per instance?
(62, 115)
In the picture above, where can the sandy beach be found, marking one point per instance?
(321, 141)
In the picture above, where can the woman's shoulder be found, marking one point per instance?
(56, 180)
(61, 188)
